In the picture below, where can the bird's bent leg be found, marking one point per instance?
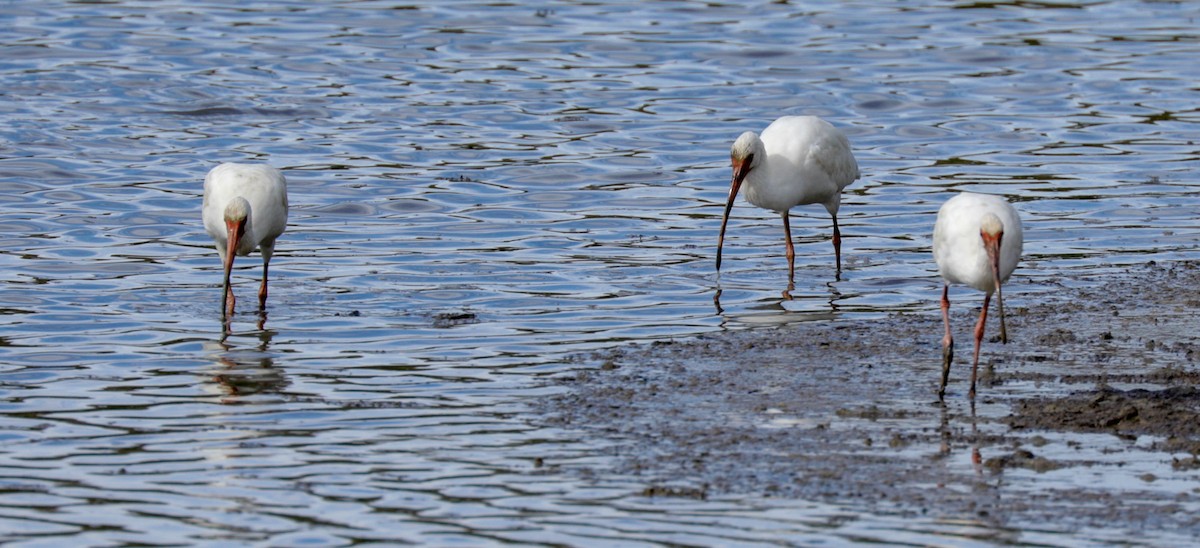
(987, 300)
(791, 251)
(947, 341)
(837, 243)
(262, 289)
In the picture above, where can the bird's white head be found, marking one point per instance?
(746, 153)
(991, 226)
(237, 223)
(237, 210)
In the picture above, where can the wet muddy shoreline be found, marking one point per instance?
(1086, 420)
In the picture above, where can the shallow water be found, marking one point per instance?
(479, 193)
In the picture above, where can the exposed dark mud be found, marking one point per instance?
(1086, 419)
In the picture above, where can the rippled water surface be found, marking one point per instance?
(480, 192)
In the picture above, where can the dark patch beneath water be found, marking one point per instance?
(1171, 411)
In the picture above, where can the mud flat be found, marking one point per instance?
(1086, 419)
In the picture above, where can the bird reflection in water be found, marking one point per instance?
(834, 297)
(248, 371)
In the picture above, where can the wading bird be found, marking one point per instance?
(245, 208)
(797, 160)
(977, 241)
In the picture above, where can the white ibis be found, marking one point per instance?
(977, 241)
(245, 208)
(797, 160)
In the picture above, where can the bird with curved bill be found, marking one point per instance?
(797, 160)
(245, 208)
(977, 242)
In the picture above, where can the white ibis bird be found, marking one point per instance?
(977, 241)
(245, 208)
(797, 160)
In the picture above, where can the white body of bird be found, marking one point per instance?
(977, 241)
(958, 248)
(245, 208)
(797, 160)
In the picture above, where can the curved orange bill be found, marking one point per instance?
(992, 246)
(235, 230)
(739, 174)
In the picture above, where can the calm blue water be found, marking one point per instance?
(552, 175)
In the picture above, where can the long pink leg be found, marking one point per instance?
(987, 300)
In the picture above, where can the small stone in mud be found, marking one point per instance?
(697, 493)
(1021, 458)
(443, 320)
(1056, 337)
(871, 413)
(1187, 463)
